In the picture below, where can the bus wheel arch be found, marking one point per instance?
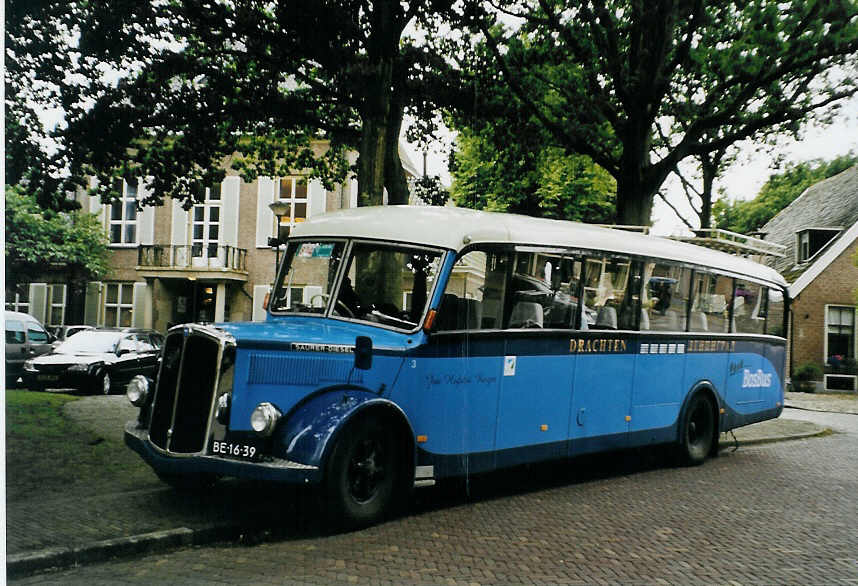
(698, 426)
(369, 467)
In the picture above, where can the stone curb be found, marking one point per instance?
(25, 564)
(818, 409)
(729, 443)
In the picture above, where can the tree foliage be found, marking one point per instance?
(777, 193)
(495, 171)
(169, 91)
(35, 52)
(37, 239)
(640, 86)
(431, 191)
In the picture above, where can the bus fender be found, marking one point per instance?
(312, 428)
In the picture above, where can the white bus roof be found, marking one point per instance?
(455, 228)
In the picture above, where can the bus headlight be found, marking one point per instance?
(264, 418)
(137, 390)
(222, 409)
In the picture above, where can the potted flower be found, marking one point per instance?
(805, 376)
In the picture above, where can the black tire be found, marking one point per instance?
(699, 429)
(189, 483)
(362, 474)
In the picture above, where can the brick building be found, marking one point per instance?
(820, 233)
(170, 265)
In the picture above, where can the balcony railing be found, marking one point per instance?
(192, 256)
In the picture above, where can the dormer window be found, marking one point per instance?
(811, 240)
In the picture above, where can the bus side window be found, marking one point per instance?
(474, 297)
(749, 308)
(665, 296)
(775, 313)
(612, 294)
(710, 306)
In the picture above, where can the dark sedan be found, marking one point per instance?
(96, 360)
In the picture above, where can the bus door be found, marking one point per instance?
(536, 315)
(605, 355)
(451, 384)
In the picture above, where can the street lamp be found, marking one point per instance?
(280, 209)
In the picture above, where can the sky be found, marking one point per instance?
(741, 181)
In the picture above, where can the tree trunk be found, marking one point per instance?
(710, 170)
(394, 174)
(381, 113)
(635, 193)
(370, 174)
(634, 197)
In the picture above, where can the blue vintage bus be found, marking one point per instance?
(407, 344)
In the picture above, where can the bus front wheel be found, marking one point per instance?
(362, 474)
(698, 430)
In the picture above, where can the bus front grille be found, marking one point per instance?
(186, 389)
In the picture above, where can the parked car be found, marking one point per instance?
(25, 338)
(61, 333)
(97, 360)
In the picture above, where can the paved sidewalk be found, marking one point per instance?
(828, 402)
(62, 533)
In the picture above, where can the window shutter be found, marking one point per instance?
(146, 218)
(179, 229)
(140, 306)
(317, 198)
(259, 292)
(230, 210)
(353, 193)
(38, 300)
(264, 215)
(92, 306)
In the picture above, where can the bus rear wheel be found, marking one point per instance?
(698, 430)
(362, 474)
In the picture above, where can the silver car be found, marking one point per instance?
(25, 338)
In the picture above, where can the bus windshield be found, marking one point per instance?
(381, 283)
(311, 269)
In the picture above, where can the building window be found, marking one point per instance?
(812, 240)
(293, 191)
(18, 298)
(840, 333)
(123, 215)
(56, 305)
(205, 224)
(118, 304)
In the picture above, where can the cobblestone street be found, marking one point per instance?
(774, 513)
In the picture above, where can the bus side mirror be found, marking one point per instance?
(363, 352)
